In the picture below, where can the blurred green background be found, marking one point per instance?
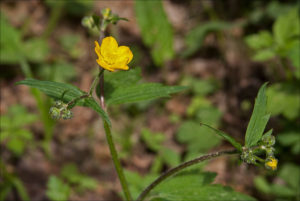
(222, 50)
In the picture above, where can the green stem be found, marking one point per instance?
(116, 161)
(95, 81)
(56, 12)
(180, 167)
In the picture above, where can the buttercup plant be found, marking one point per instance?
(112, 57)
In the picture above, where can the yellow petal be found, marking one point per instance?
(97, 49)
(124, 54)
(104, 65)
(108, 46)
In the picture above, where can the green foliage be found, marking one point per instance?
(59, 71)
(290, 139)
(80, 181)
(288, 189)
(70, 44)
(8, 183)
(258, 120)
(156, 30)
(13, 133)
(195, 38)
(283, 41)
(123, 87)
(65, 92)
(75, 8)
(286, 93)
(195, 185)
(203, 111)
(154, 141)
(227, 137)
(13, 48)
(200, 87)
(198, 138)
(137, 183)
(57, 190)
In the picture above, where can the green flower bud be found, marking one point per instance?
(58, 104)
(67, 114)
(268, 140)
(54, 112)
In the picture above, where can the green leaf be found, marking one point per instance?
(197, 138)
(170, 157)
(264, 54)
(10, 42)
(195, 38)
(230, 139)
(290, 173)
(156, 30)
(258, 120)
(57, 190)
(20, 188)
(35, 50)
(56, 90)
(153, 140)
(140, 92)
(262, 184)
(195, 186)
(286, 93)
(137, 183)
(293, 54)
(72, 175)
(287, 26)
(263, 39)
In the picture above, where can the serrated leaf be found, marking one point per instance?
(156, 30)
(140, 92)
(227, 137)
(57, 190)
(191, 187)
(69, 92)
(259, 118)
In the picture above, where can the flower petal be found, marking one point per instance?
(108, 46)
(124, 54)
(104, 65)
(97, 49)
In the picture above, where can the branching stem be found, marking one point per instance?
(180, 167)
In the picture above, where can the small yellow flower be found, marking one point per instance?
(272, 163)
(111, 56)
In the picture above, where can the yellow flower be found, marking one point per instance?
(111, 56)
(272, 163)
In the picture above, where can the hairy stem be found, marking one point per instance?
(116, 161)
(109, 138)
(180, 167)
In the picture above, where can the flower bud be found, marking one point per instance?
(54, 112)
(66, 114)
(268, 140)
